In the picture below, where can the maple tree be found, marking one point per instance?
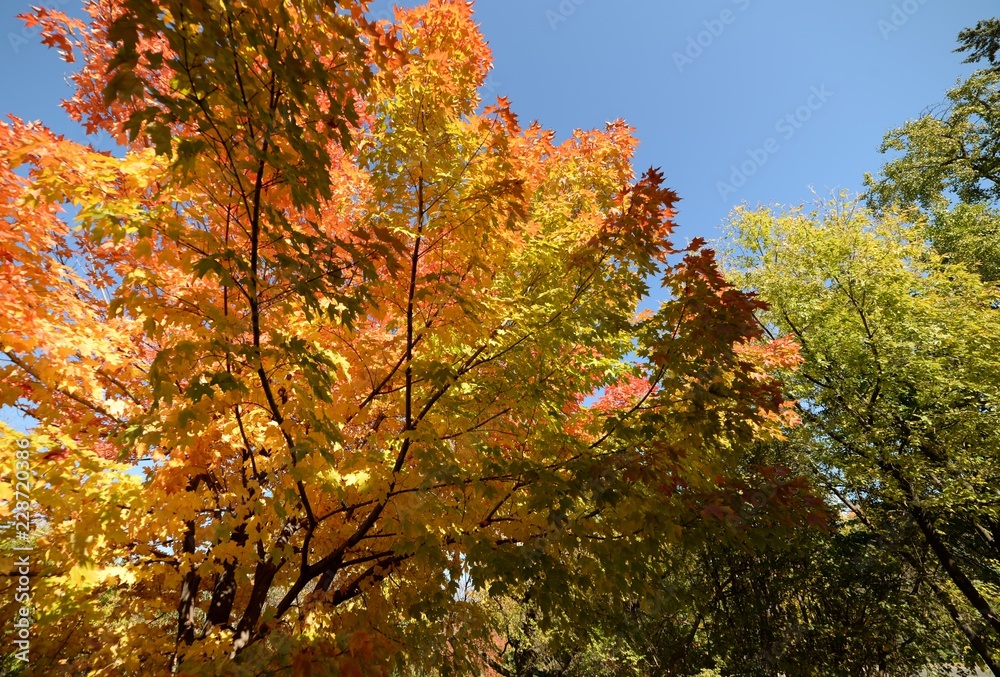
(328, 338)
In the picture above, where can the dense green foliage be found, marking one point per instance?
(899, 391)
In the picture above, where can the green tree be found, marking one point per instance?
(982, 42)
(899, 391)
(948, 165)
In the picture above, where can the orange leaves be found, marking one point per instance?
(501, 109)
(455, 56)
(49, 317)
(340, 323)
(769, 360)
(624, 394)
(777, 354)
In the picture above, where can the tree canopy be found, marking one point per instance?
(898, 389)
(334, 367)
(331, 338)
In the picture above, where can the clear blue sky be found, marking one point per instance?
(703, 83)
(577, 63)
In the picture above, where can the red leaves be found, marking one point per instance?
(361, 659)
(56, 29)
(639, 232)
(57, 454)
(721, 513)
(721, 314)
(622, 395)
(708, 340)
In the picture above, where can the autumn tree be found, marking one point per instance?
(327, 338)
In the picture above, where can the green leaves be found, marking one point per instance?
(899, 388)
(949, 168)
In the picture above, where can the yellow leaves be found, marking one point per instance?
(356, 479)
(84, 577)
(79, 503)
